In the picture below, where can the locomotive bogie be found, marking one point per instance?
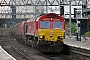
(50, 46)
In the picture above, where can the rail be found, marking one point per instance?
(80, 51)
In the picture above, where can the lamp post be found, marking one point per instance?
(77, 29)
(78, 32)
(46, 7)
(70, 18)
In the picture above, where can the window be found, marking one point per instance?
(57, 25)
(45, 24)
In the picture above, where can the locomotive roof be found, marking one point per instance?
(50, 15)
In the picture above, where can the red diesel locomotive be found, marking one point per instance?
(45, 33)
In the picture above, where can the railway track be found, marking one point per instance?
(23, 52)
(78, 53)
(6, 44)
(19, 50)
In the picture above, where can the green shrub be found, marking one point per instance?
(87, 33)
(4, 29)
(73, 27)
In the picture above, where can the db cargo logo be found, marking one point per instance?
(51, 32)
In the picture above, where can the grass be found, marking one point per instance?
(3, 29)
(87, 34)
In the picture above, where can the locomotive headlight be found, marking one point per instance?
(51, 35)
(41, 37)
(60, 37)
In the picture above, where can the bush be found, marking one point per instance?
(4, 29)
(87, 33)
(73, 27)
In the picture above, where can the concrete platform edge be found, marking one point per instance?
(7, 53)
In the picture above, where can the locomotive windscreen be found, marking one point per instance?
(45, 24)
(57, 24)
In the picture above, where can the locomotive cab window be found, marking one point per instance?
(57, 25)
(45, 24)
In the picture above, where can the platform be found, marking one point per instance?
(4, 55)
(84, 44)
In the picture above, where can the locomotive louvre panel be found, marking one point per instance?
(31, 28)
(20, 30)
(26, 28)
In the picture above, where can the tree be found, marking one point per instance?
(73, 27)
